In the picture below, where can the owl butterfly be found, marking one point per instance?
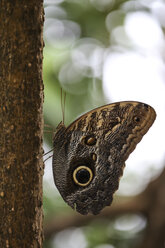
(89, 155)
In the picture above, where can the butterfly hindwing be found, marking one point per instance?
(90, 154)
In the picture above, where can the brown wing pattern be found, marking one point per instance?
(111, 115)
(89, 155)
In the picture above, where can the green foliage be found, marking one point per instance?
(77, 36)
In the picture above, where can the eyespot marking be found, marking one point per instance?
(136, 119)
(145, 105)
(82, 175)
(90, 140)
(94, 157)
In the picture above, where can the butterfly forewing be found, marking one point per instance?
(124, 123)
(89, 155)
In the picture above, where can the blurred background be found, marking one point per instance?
(98, 52)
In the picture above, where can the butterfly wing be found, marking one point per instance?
(89, 155)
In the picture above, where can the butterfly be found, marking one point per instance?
(89, 155)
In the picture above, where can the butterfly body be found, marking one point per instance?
(90, 154)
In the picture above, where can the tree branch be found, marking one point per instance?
(134, 205)
(150, 203)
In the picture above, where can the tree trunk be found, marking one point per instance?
(21, 125)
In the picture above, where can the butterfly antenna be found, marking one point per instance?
(63, 100)
(48, 152)
(64, 106)
(47, 158)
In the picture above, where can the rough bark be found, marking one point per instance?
(21, 99)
